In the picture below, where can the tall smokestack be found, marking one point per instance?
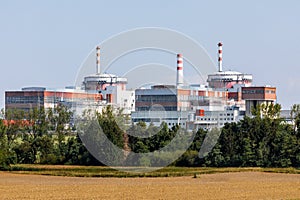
(220, 60)
(98, 60)
(179, 70)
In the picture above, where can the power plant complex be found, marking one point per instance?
(227, 97)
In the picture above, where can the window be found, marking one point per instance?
(270, 91)
(253, 91)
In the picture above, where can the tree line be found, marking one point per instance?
(48, 137)
(45, 137)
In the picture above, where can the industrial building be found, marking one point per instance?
(223, 100)
(109, 89)
(227, 97)
(258, 95)
(97, 91)
(40, 97)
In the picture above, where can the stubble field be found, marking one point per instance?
(240, 185)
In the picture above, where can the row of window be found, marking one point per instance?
(216, 119)
(41, 100)
(258, 91)
(58, 99)
(24, 100)
(228, 114)
(270, 91)
(155, 119)
(165, 108)
(170, 124)
(156, 98)
(253, 91)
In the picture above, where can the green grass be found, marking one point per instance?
(99, 171)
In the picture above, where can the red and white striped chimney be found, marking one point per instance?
(98, 60)
(179, 70)
(220, 60)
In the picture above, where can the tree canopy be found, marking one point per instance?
(49, 137)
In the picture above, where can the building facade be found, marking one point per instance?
(227, 97)
(258, 95)
(38, 97)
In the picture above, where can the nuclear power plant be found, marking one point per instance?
(227, 97)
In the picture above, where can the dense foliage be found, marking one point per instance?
(264, 140)
(47, 137)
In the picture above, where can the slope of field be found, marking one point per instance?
(242, 185)
(120, 172)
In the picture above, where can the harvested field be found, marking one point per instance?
(242, 185)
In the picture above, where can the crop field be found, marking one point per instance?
(240, 185)
(94, 182)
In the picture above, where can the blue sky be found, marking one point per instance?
(43, 43)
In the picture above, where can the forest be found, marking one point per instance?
(49, 137)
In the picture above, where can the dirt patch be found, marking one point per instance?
(244, 185)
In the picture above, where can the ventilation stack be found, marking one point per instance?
(98, 60)
(220, 60)
(179, 81)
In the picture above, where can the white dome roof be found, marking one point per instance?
(230, 72)
(102, 76)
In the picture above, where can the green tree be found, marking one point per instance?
(25, 152)
(198, 140)
(15, 124)
(102, 136)
(268, 110)
(295, 116)
(38, 123)
(46, 151)
(4, 150)
(215, 158)
(109, 126)
(59, 119)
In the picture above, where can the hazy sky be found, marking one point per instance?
(43, 43)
